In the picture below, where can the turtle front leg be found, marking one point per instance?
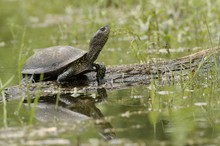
(63, 77)
(100, 73)
(27, 78)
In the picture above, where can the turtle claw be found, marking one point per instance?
(101, 81)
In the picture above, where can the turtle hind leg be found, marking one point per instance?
(63, 77)
(100, 73)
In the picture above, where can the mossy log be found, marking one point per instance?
(118, 77)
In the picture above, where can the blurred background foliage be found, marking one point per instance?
(141, 30)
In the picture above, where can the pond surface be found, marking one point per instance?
(183, 113)
(124, 116)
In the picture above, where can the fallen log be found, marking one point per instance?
(122, 76)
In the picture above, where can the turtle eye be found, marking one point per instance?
(103, 28)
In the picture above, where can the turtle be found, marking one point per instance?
(63, 62)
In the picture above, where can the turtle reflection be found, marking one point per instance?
(72, 109)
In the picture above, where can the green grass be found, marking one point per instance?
(4, 101)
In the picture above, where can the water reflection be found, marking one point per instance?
(71, 109)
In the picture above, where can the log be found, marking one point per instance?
(122, 76)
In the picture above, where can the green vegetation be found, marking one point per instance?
(178, 113)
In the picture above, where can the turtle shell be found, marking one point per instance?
(51, 59)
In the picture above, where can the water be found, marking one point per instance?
(124, 116)
(184, 113)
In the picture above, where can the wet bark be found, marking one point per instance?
(118, 77)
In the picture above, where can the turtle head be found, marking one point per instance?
(97, 42)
